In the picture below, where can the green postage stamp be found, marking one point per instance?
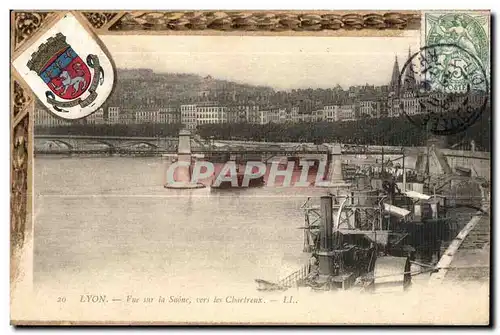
(452, 71)
(468, 30)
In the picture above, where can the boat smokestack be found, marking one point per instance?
(326, 241)
(325, 253)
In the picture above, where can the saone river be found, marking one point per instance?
(97, 219)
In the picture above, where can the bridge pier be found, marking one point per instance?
(183, 170)
(334, 176)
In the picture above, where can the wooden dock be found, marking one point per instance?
(472, 260)
(467, 258)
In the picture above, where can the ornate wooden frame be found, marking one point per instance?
(26, 25)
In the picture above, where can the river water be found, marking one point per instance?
(108, 221)
(97, 219)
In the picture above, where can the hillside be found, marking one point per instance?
(139, 87)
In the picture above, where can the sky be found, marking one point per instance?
(280, 62)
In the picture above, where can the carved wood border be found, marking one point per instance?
(146, 22)
(26, 26)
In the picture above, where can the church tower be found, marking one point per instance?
(409, 84)
(394, 85)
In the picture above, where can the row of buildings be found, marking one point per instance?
(192, 115)
(359, 102)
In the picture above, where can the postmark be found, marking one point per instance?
(443, 88)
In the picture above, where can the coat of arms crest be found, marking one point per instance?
(67, 69)
(66, 74)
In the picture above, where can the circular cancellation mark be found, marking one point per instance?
(443, 88)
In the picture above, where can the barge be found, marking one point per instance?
(368, 239)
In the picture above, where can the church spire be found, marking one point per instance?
(409, 84)
(394, 85)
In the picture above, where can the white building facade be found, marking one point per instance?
(188, 116)
(211, 115)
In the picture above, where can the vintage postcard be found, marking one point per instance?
(250, 168)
